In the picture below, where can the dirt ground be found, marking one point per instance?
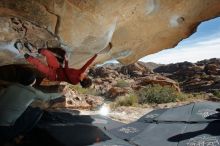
(128, 114)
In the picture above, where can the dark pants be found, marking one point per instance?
(23, 124)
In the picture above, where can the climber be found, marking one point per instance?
(55, 72)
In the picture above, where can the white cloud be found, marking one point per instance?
(192, 51)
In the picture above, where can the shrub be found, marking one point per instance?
(122, 83)
(217, 93)
(155, 94)
(158, 94)
(129, 100)
(81, 90)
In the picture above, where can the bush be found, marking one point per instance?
(155, 94)
(217, 93)
(81, 90)
(158, 94)
(129, 100)
(122, 83)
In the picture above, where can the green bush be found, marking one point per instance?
(158, 94)
(129, 100)
(151, 94)
(122, 83)
(81, 90)
(217, 93)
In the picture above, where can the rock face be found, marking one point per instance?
(84, 27)
(79, 101)
(72, 99)
(112, 81)
(203, 76)
(158, 79)
(135, 70)
(194, 77)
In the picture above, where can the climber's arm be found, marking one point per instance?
(88, 63)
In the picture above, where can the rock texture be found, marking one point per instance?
(114, 81)
(194, 77)
(158, 79)
(72, 99)
(84, 27)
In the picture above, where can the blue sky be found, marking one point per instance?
(203, 44)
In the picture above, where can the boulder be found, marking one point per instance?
(83, 27)
(157, 79)
(72, 99)
(79, 101)
(134, 70)
(172, 68)
(212, 69)
(103, 72)
(115, 92)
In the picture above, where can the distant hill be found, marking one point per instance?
(202, 76)
(194, 77)
(150, 65)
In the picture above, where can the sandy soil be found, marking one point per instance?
(127, 114)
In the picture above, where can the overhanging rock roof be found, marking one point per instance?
(135, 28)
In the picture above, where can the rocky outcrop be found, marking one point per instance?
(202, 76)
(71, 99)
(194, 77)
(171, 68)
(84, 27)
(135, 70)
(212, 69)
(158, 79)
(103, 72)
(114, 92)
(112, 81)
(77, 101)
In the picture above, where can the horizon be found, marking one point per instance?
(116, 62)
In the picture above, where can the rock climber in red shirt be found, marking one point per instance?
(55, 72)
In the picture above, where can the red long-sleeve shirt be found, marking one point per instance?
(56, 72)
(72, 75)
